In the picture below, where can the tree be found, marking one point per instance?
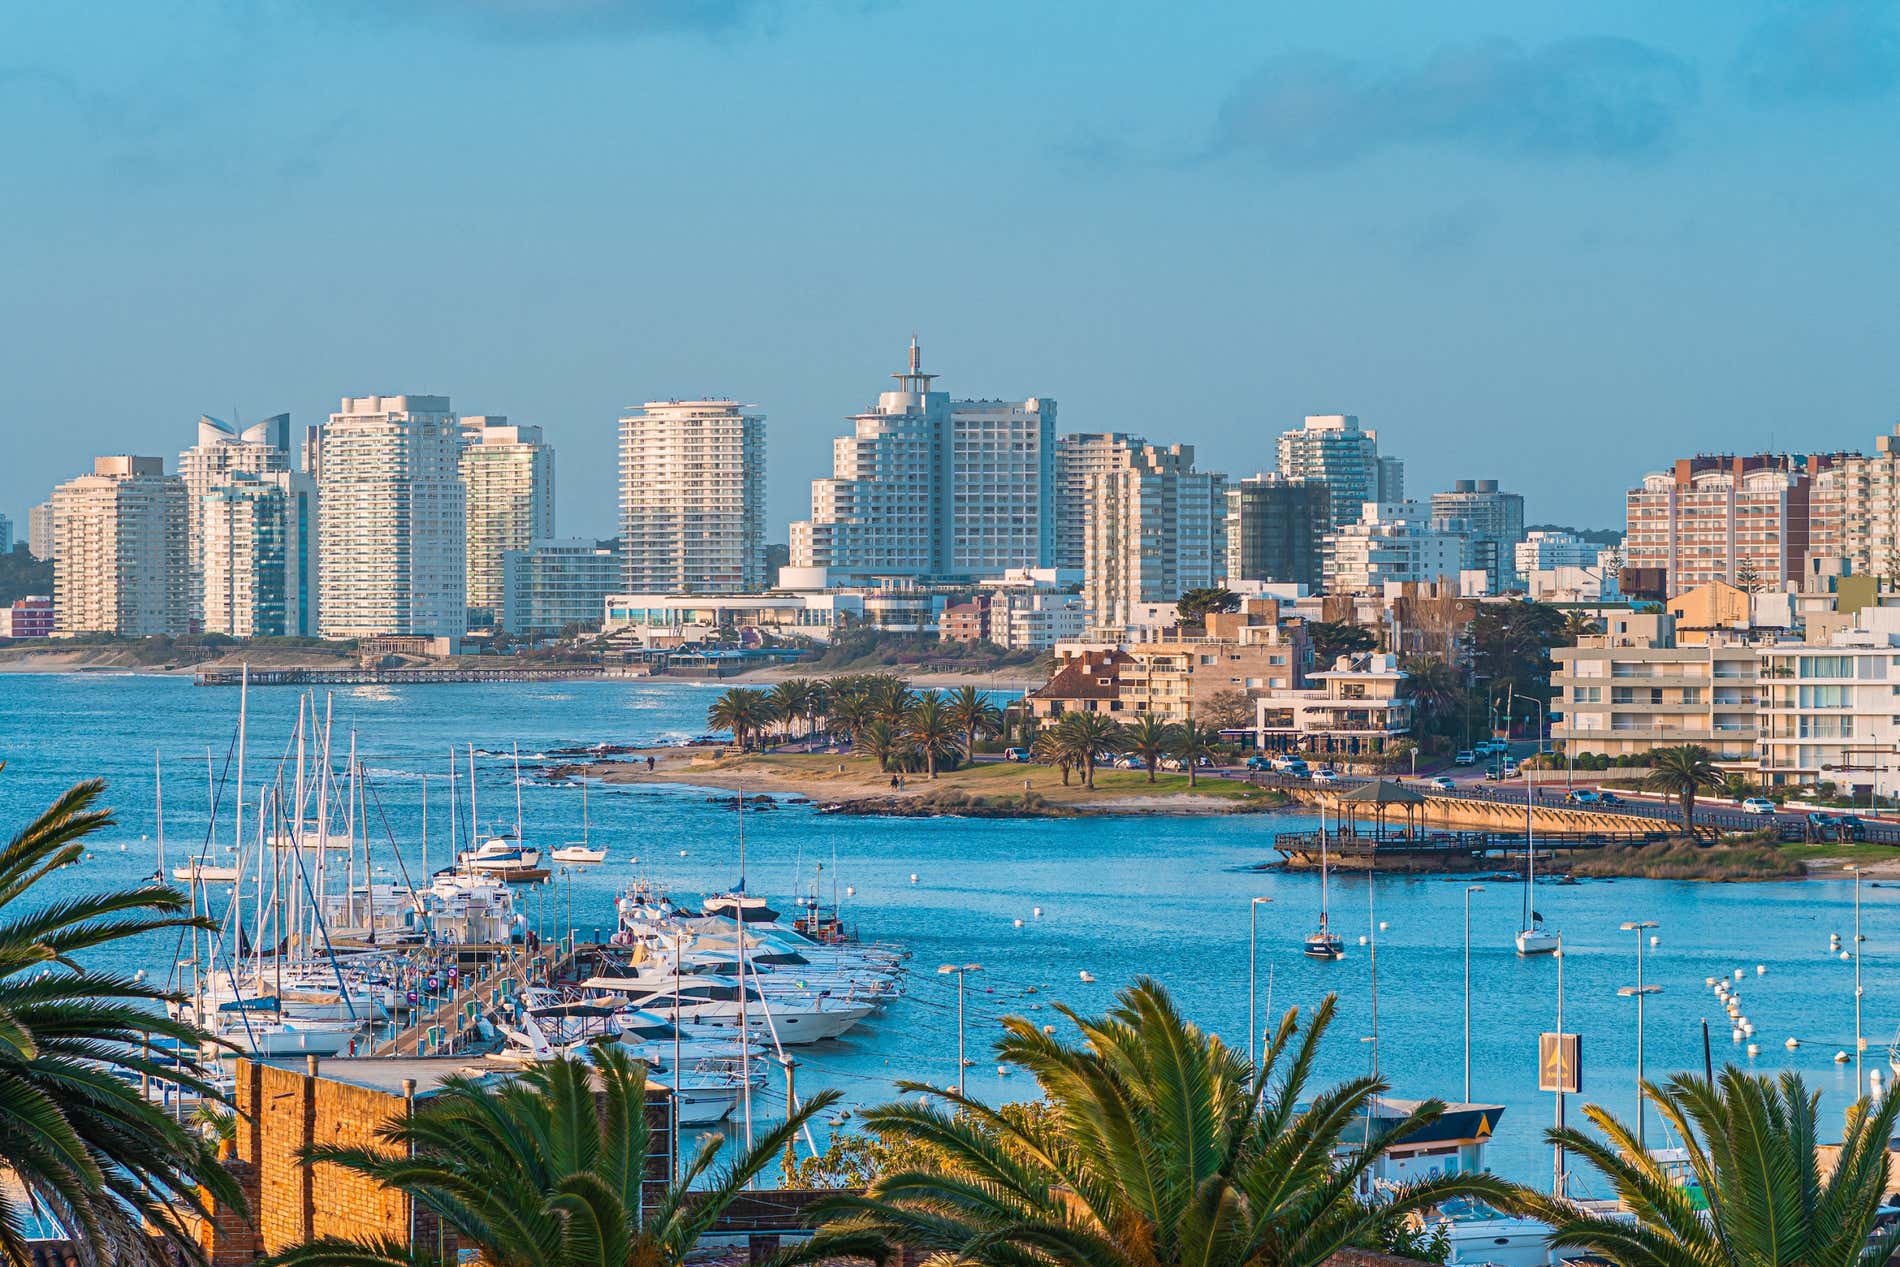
(1681, 772)
(1511, 642)
(790, 701)
(929, 728)
(548, 1171)
(1085, 737)
(739, 710)
(1438, 692)
(1228, 709)
(78, 1137)
(1750, 1142)
(890, 697)
(884, 743)
(1162, 1146)
(971, 712)
(1579, 625)
(848, 710)
(1051, 745)
(1193, 607)
(1192, 742)
(1747, 577)
(1150, 738)
(1331, 639)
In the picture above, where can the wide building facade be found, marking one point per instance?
(393, 554)
(508, 483)
(1156, 528)
(121, 564)
(554, 584)
(692, 498)
(224, 449)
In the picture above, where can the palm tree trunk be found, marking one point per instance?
(1192, 772)
(1688, 814)
(930, 761)
(1151, 769)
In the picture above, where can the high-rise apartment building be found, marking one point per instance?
(6, 535)
(1080, 457)
(554, 584)
(392, 528)
(1334, 450)
(692, 498)
(1743, 520)
(928, 486)
(121, 566)
(39, 532)
(257, 541)
(1392, 541)
(508, 482)
(221, 450)
(1276, 530)
(1156, 528)
(1493, 524)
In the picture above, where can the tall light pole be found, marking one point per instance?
(1469, 890)
(1253, 971)
(961, 970)
(1859, 1042)
(1640, 992)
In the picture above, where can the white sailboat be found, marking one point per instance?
(1532, 937)
(582, 852)
(1324, 943)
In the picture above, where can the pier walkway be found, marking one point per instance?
(444, 1029)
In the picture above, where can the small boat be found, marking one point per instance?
(741, 906)
(500, 856)
(1323, 943)
(1532, 937)
(581, 851)
(206, 872)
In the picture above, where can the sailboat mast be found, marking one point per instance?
(158, 793)
(583, 813)
(455, 830)
(244, 691)
(517, 792)
(474, 823)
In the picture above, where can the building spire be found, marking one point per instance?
(914, 379)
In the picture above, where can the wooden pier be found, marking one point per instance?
(399, 677)
(445, 1029)
(1430, 851)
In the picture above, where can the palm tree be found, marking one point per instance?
(1161, 1146)
(1150, 738)
(743, 711)
(1051, 745)
(928, 727)
(1331, 639)
(1437, 689)
(883, 742)
(790, 701)
(1192, 742)
(1579, 624)
(1682, 772)
(890, 697)
(849, 710)
(973, 714)
(1750, 1142)
(1085, 736)
(78, 1137)
(547, 1171)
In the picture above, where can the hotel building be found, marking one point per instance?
(121, 566)
(1493, 525)
(1334, 450)
(1080, 458)
(1744, 520)
(224, 449)
(393, 557)
(508, 482)
(1156, 528)
(554, 584)
(692, 498)
(257, 540)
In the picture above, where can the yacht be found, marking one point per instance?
(500, 856)
(1532, 937)
(1323, 943)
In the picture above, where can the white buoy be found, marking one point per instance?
(913, 877)
(1019, 923)
(121, 846)
(1002, 1071)
(1655, 940)
(1709, 981)
(1761, 969)
(682, 854)
(1735, 1035)
(139, 975)
(1738, 974)
(1362, 939)
(1754, 1049)
(1048, 1029)
(1840, 1057)
(1085, 975)
(850, 890)
(1383, 926)
(1844, 955)
(1792, 1043)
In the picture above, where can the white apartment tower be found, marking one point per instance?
(692, 498)
(257, 536)
(1333, 449)
(1081, 457)
(928, 486)
(1156, 528)
(121, 566)
(1394, 541)
(508, 478)
(392, 554)
(223, 449)
(39, 532)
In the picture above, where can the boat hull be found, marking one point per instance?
(1536, 941)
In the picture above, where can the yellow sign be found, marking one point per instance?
(1560, 1063)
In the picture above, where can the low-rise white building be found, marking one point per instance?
(1830, 712)
(1393, 541)
(1363, 704)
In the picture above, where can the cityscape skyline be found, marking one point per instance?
(1498, 261)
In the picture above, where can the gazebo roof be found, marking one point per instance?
(1382, 792)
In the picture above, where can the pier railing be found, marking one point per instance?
(444, 1029)
(398, 677)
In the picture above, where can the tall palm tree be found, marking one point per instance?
(790, 700)
(972, 713)
(883, 742)
(1750, 1142)
(1150, 738)
(890, 697)
(929, 728)
(546, 1172)
(1681, 772)
(849, 710)
(1051, 745)
(1192, 742)
(1437, 690)
(1085, 737)
(742, 710)
(1162, 1146)
(75, 1132)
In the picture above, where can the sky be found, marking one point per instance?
(1558, 245)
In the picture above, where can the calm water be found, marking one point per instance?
(1120, 897)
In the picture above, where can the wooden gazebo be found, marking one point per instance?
(1378, 798)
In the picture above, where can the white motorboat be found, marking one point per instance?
(265, 1034)
(499, 856)
(579, 854)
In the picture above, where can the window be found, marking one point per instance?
(1825, 666)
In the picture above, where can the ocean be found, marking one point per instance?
(1124, 897)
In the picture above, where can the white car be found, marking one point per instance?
(1324, 776)
(1443, 784)
(1758, 805)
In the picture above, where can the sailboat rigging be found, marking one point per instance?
(1324, 943)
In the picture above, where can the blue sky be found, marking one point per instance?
(1557, 244)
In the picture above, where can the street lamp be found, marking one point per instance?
(1469, 890)
(1639, 991)
(961, 970)
(1859, 1042)
(1253, 969)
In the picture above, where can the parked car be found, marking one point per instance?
(1609, 798)
(1442, 784)
(1324, 776)
(1510, 770)
(1287, 761)
(1484, 747)
(1850, 827)
(1465, 757)
(1583, 796)
(1758, 805)
(1173, 764)
(1261, 763)
(1130, 762)
(1016, 754)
